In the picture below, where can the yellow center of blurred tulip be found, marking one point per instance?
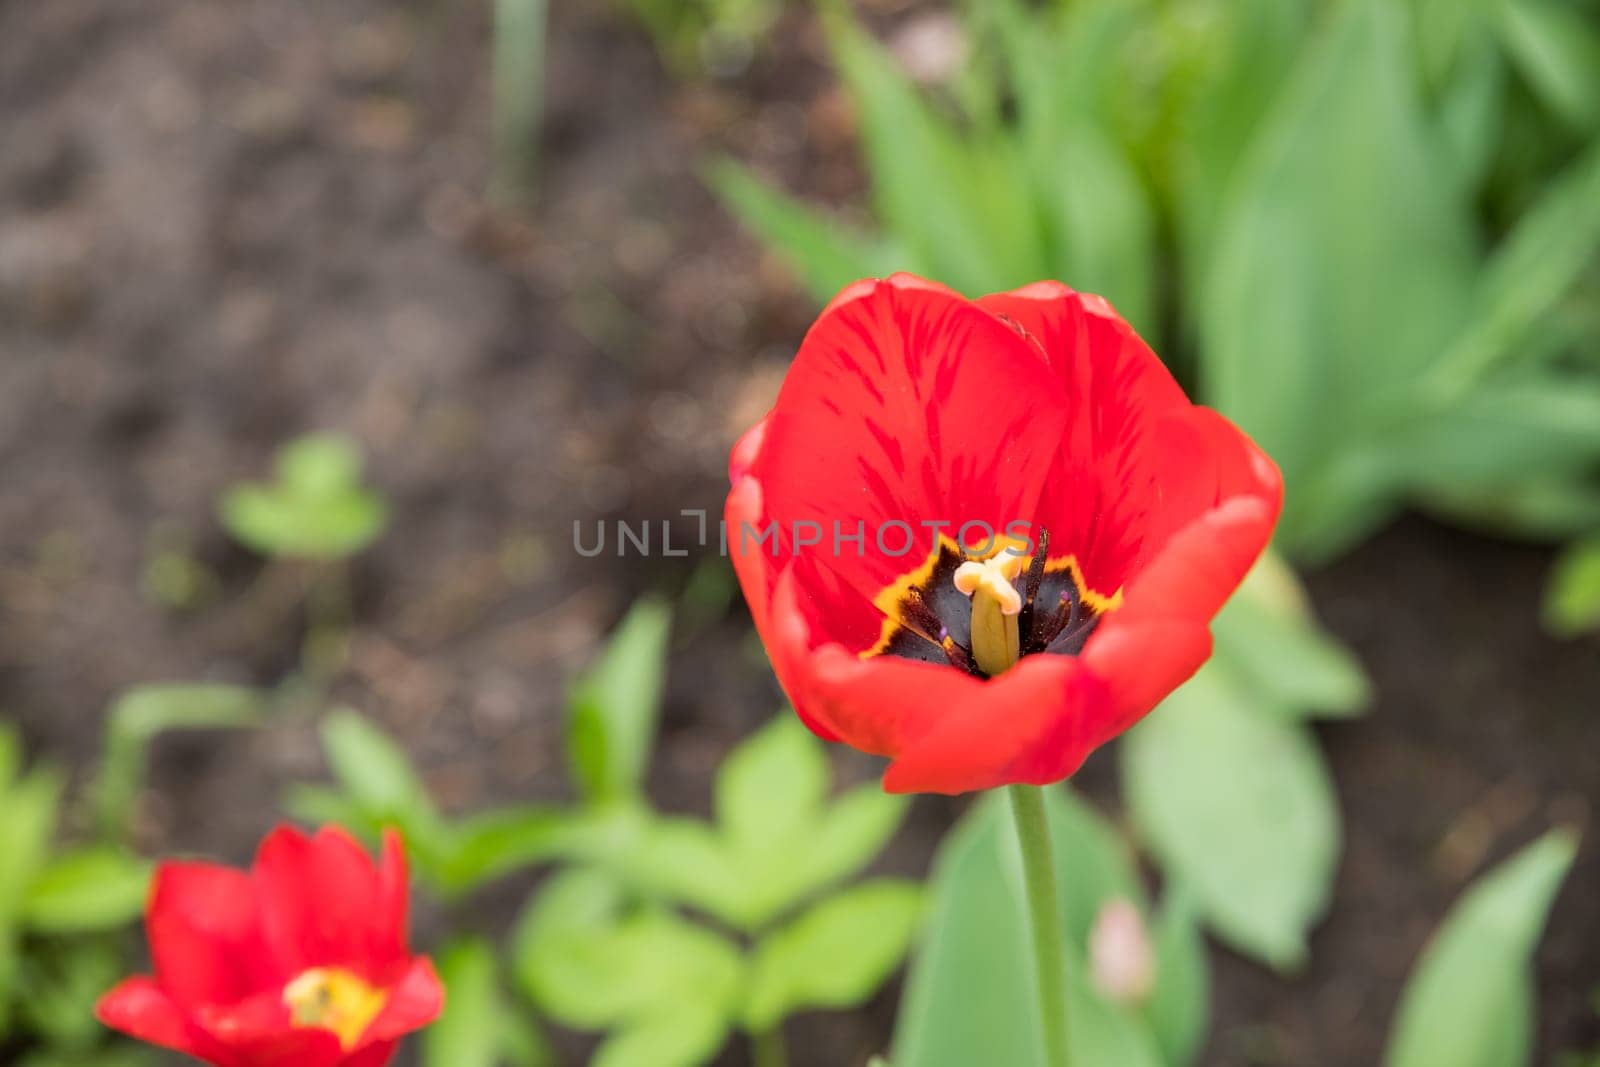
(333, 999)
(996, 603)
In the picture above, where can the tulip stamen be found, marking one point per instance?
(333, 999)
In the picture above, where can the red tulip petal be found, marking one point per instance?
(141, 1009)
(745, 451)
(321, 902)
(1198, 569)
(392, 911)
(1107, 484)
(878, 704)
(204, 928)
(377, 1055)
(1036, 724)
(1141, 664)
(1206, 461)
(786, 636)
(259, 1032)
(906, 404)
(414, 1001)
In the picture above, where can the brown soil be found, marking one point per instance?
(225, 224)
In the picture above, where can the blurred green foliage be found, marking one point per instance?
(967, 1000)
(1572, 599)
(316, 508)
(519, 74)
(1365, 230)
(610, 942)
(64, 908)
(706, 36)
(1470, 1000)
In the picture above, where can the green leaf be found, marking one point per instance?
(1178, 1011)
(492, 844)
(825, 253)
(961, 207)
(1470, 1001)
(1472, 112)
(1253, 46)
(777, 842)
(322, 806)
(835, 955)
(1267, 636)
(110, 1057)
(1094, 863)
(377, 774)
(59, 986)
(1492, 438)
(969, 996)
(316, 509)
(1558, 51)
(849, 835)
(372, 768)
(685, 860)
(770, 788)
(99, 888)
(1447, 35)
(10, 755)
(139, 716)
(614, 707)
(1539, 508)
(1572, 597)
(1106, 222)
(593, 961)
(1237, 804)
(476, 1029)
(1342, 267)
(1553, 242)
(468, 1032)
(28, 813)
(686, 1036)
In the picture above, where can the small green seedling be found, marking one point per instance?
(315, 509)
(607, 947)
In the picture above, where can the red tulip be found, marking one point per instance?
(299, 962)
(970, 660)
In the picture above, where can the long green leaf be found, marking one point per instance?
(142, 714)
(1529, 273)
(1469, 1002)
(1343, 264)
(614, 707)
(960, 206)
(1558, 51)
(825, 253)
(835, 955)
(1238, 805)
(969, 997)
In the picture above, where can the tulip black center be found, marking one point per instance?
(931, 620)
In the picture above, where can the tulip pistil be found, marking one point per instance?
(333, 999)
(996, 603)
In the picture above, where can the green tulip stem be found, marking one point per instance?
(1044, 913)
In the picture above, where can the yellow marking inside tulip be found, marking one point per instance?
(996, 644)
(333, 999)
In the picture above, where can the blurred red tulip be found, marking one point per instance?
(913, 415)
(300, 962)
